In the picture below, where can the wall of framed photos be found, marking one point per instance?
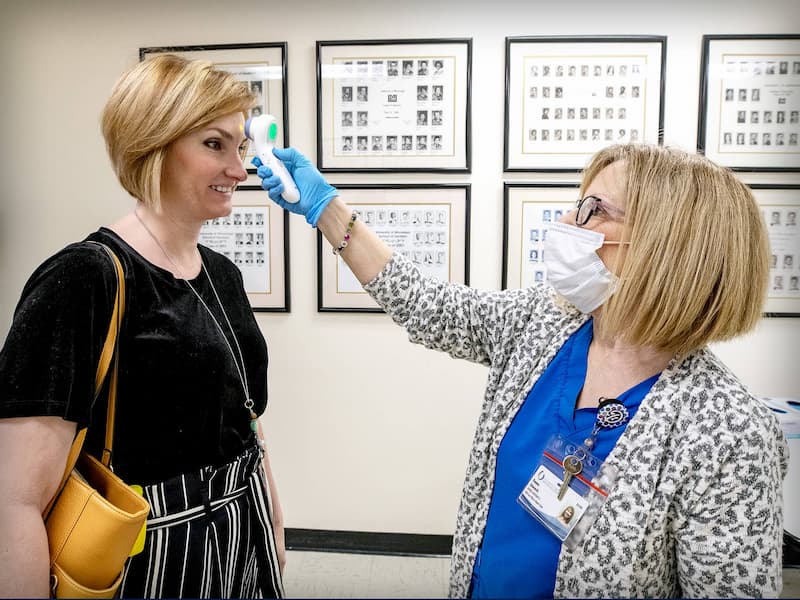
(367, 432)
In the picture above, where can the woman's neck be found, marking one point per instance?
(613, 366)
(163, 240)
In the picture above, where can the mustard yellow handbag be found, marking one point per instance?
(94, 520)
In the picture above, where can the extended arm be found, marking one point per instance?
(366, 254)
(444, 316)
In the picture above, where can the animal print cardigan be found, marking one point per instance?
(696, 509)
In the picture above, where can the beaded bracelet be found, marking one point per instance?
(347, 233)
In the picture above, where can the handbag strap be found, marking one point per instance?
(108, 353)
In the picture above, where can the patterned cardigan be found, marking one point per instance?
(696, 510)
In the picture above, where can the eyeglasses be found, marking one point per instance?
(592, 205)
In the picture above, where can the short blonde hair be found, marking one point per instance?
(154, 103)
(697, 266)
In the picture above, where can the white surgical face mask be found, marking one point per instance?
(573, 267)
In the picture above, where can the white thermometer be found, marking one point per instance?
(262, 131)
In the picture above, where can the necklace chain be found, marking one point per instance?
(240, 370)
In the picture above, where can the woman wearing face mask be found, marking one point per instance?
(602, 394)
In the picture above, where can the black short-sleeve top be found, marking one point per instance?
(180, 402)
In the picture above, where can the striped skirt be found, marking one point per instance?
(209, 535)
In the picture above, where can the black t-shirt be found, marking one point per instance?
(180, 402)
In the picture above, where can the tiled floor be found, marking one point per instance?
(333, 575)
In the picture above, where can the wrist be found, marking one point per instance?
(334, 218)
(316, 211)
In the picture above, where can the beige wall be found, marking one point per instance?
(367, 432)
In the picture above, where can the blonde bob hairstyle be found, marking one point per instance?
(154, 103)
(697, 266)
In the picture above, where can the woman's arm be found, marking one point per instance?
(277, 511)
(33, 455)
(448, 317)
(366, 254)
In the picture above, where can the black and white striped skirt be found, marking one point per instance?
(209, 535)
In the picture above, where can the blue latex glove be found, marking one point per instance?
(315, 192)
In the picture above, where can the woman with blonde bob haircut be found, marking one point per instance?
(192, 359)
(697, 268)
(153, 105)
(602, 394)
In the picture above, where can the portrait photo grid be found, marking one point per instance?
(420, 232)
(760, 104)
(536, 218)
(580, 103)
(243, 237)
(784, 239)
(394, 106)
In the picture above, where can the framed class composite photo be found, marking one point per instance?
(261, 65)
(568, 97)
(255, 236)
(426, 223)
(780, 206)
(749, 114)
(394, 105)
(528, 210)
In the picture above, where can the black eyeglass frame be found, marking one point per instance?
(579, 206)
(589, 214)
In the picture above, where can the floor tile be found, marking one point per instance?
(338, 575)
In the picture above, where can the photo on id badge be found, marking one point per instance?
(562, 488)
(540, 499)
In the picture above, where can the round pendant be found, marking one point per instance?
(611, 413)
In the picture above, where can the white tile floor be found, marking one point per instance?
(333, 575)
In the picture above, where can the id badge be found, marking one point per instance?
(561, 493)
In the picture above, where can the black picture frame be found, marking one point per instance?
(527, 207)
(255, 237)
(523, 234)
(415, 111)
(566, 97)
(749, 109)
(780, 205)
(428, 220)
(261, 64)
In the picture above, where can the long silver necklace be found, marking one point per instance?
(240, 368)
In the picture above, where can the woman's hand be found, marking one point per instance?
(315, 192)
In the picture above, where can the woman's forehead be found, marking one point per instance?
(609, 184)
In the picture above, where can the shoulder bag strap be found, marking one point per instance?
(110, 349)
(106, 354)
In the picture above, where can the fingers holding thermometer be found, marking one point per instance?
(315, 191)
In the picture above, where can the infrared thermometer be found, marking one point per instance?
(262, 131)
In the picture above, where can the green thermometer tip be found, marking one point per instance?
(273, 131)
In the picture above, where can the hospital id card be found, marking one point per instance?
(540, 499)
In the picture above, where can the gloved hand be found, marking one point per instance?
(315, 192)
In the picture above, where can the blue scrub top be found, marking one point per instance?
(519, 555)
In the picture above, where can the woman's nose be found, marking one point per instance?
(236, 169)
(568, 218)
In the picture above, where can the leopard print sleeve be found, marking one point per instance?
(457, 319)
(730, 544)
